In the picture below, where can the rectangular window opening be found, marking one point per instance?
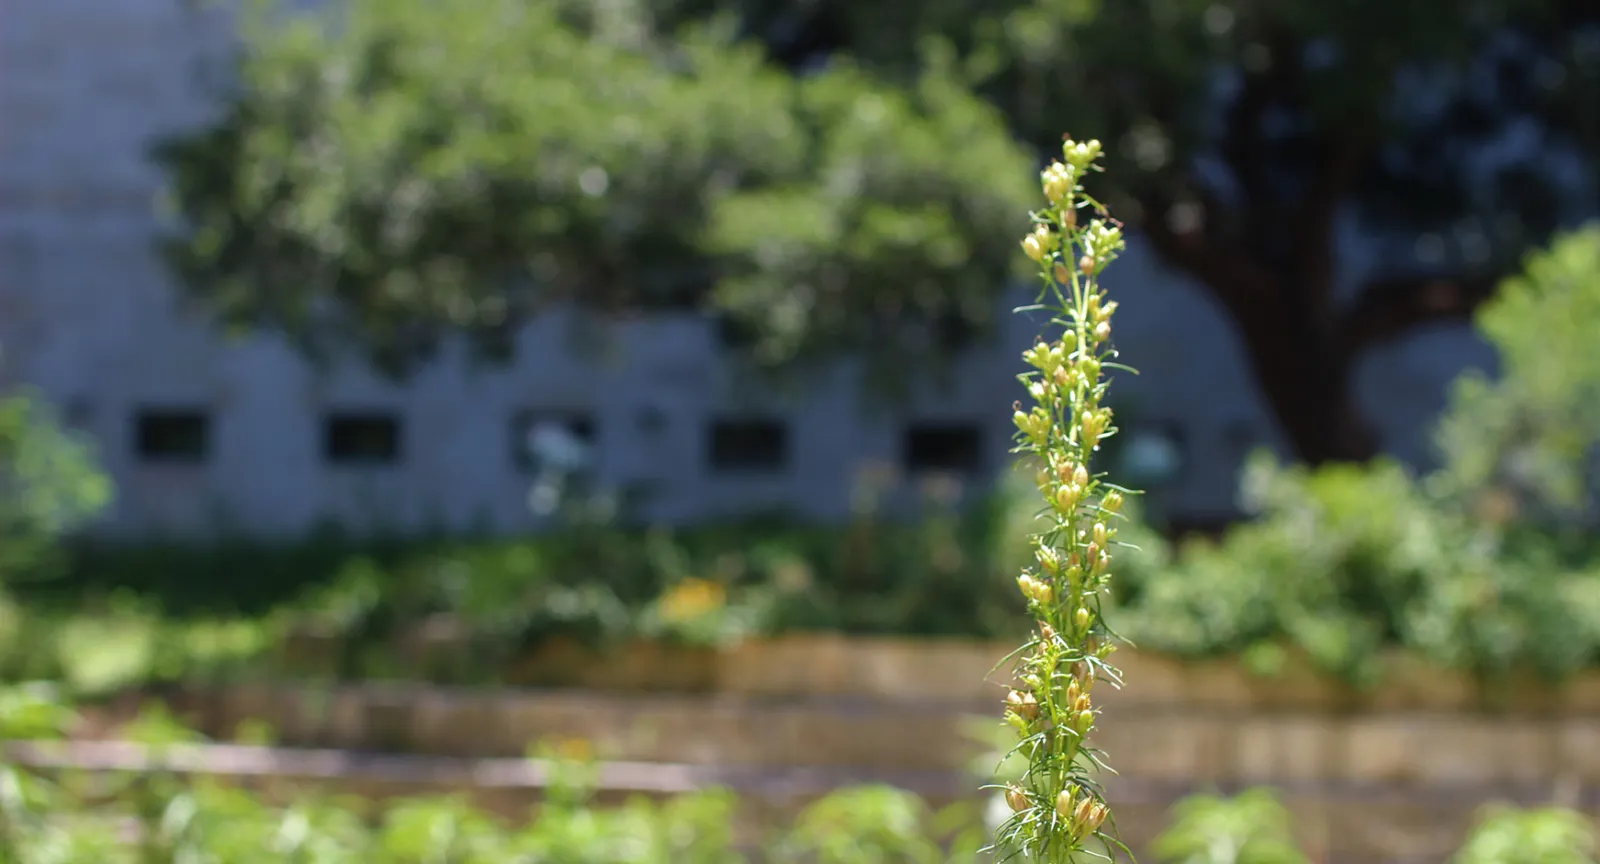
(172, 435)
(949, 448)
(362, 438)
(748, 445)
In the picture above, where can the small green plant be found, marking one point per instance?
(1057, 808)
(867, 825)
(1546, 835)
(50, 484)
(1250, 828)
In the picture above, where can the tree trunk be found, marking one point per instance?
(1306, 379)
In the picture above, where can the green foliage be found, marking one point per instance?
(91, 650)
(1464, 566)
(863, 826)
(1546, 835)
(1346, 563)
(464, 164)
(1524, 440)
(45, 820)
(49, 485)
(1236, 132)
(1476, 566)
(404, 171)
(1250, 828)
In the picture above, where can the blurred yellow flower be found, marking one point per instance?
(575, 749)
(692, 598)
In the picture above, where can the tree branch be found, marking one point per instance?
(1389, 308)
(1312, 238)
(1244, 145)
(1224, 266)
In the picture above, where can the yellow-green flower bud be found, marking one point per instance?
(1112, 502)
(1080, 153)
(1082, 814)
(1050, 560)
(1099, 533)
(1033, 589)
(1066, 805)
(1085, 722)
(1097, 815)
(1038, 356)
(1057, 182)
(1039, 244)
(1025, 584)
(1016, 799)
(1082, 618)
(1025, 705)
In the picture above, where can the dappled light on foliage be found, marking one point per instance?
(423, 169)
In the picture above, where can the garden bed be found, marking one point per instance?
(958, 672)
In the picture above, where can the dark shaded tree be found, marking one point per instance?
(849, 182)
(1241, 131)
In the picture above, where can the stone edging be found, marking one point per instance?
(959, 671)
(447, 772)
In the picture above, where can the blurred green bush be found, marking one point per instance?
(73, 818)
(50, 484)
(1488, 563)
(164, 817)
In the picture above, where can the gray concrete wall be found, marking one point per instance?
(87, 314)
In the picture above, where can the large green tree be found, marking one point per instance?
(848, 191)
(1241, 131)
(407, 170)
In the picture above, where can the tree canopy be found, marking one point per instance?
(844, 176)
(465, 164)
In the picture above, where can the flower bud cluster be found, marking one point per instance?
(1057, 809)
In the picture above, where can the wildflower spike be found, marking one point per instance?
(1062, 431)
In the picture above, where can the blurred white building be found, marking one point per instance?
(203, 434)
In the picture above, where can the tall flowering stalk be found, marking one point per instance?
(1058, 810)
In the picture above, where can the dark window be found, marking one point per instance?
(171, 435)
(526, 425)
(361, 438)
(951, 448)
(954, 333)
(734, 334)
(748, 445)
